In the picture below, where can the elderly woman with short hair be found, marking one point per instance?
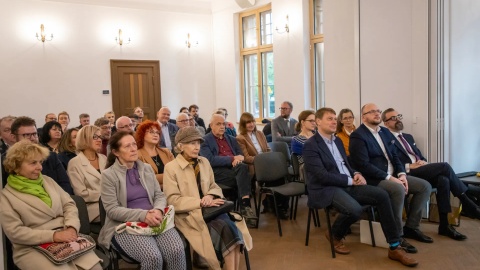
(35, 210)
(85, 170)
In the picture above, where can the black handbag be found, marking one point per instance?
(210, 213)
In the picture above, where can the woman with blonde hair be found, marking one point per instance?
(85, 170)
(345, 127)
(148, 135)
(35, 210)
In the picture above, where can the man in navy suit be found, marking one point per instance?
(226, 159)
(332, 181)
(372, 151)
(440, 175)
(169, 130)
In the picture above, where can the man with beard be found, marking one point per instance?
(440, 174)
(283, 127)
(373, 153)
(105, 133)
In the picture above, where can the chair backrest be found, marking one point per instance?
(283, 148)
(268, 166)
(295, 165)
(82, 214)
(103, 213)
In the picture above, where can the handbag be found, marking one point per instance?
(210, 213)
(60, 253)
(142, 228)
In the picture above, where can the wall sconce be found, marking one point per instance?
(287, 28)
(189, 43)
(119, 39)
(42, 37)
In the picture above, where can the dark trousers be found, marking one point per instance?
(348, 201)
(235, 177)
(441, 176)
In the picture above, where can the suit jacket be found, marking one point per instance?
(53, 167)
(368, 157)
(165, 155)
(28, 221)
(279, 125)
(172, 131)
(322, 174)
(402, 153)
(248, 149)
(114, 198)
(209, 150)
(182, 192)
(86, 181)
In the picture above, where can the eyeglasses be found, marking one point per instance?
(283, 108)
(373, 112)
(96, 137)
(184, 121)
(154, 132)
(126, 126)
(347, 118)
(28, 135)
(312, 121)
(395, 118)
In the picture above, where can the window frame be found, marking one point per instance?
(314, 39)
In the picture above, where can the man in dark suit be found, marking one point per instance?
(440, 175)
(226, 159)
(193, 110)
(332, 181)
(283, 127)
(169, 130)
(373, 153)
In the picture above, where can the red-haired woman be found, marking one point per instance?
(148, 135)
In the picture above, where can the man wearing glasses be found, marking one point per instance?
(283, 127)
(169, 130)
(124, 124)
(440, 175)
(373, 153)
(105, 133)
(5, 130)
(24, 128)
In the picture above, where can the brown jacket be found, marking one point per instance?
(165, 155)
(28, 221)
(248, 149)
(180, 187)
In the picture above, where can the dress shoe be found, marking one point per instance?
(400, 255)
(407, 246)
(338, 245)
(451, 232)
(471, 213)
(416, 234)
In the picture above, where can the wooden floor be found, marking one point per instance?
(270, 251)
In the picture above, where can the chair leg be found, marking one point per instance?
(296, 207)
(327, 212)
(247, 260)
(310, 212)
(258, 206)
(292, 203)
(278, 216)
(316, 219)
(370, 218)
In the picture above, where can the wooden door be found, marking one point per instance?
(135, 83)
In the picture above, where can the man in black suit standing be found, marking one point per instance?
(283, 127)
(440, 175)
(332, 181)
(373, 153)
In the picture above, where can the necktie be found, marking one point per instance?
(288, 123)
(408, 148)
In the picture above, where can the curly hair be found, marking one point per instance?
(21, 151)
(142, 129)
(45, 138)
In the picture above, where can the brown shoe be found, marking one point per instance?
(400, 255)
(338, 245)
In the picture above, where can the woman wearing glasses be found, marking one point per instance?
(305, 128)
(345, 126)
(85, 169)
(148, 136)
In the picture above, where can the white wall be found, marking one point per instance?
(69, 72)
(464, 85)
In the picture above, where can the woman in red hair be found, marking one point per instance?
(148, 136)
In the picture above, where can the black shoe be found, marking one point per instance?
(407, 246)
(416, 234)
(451, 232)
(473, 214)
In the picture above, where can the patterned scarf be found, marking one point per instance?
(29, 186)
(196, 169)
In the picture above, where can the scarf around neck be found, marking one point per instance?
(29, 186)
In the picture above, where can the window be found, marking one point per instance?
(256, 54)
(317, 54)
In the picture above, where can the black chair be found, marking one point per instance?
(295, 167)
(283, 148)
(115, 256)
(269, 172)
(314, 211)
(85, 229)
